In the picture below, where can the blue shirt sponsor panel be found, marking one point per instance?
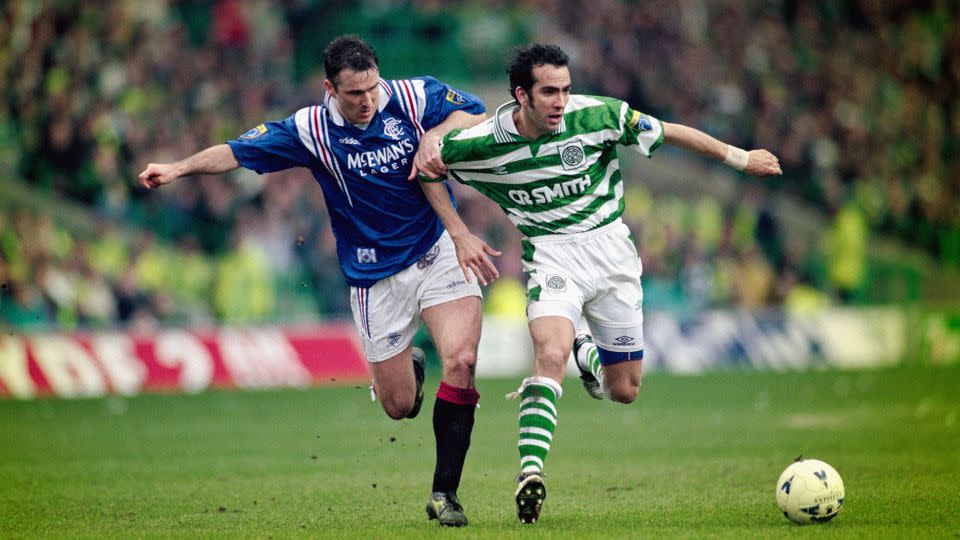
(382, 222)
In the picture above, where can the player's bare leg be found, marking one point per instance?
(455, 328)
(539, 396)
(552, 343)
(622, 380)
(395, 384)
(619, 380)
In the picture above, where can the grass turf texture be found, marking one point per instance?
(695, 457)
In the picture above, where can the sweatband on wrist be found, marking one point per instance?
(737, 157)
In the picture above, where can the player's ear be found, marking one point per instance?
(328, 86)
(520, 95)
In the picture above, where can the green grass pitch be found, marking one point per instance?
(694, 457)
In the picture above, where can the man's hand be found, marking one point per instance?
(762, 163)
(428, 160)
(472, 254)
(158, 174)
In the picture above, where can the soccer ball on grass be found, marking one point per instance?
(810, 491)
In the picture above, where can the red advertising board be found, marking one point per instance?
(178, 360)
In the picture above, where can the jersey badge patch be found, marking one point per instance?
(572, 156)
(255, 132)
(366, 255)
(454, 97)
(640, 122)
(392, 128)
(428, 258)
(556, 283)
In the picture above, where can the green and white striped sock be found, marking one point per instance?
(589, 358)
(538, 420)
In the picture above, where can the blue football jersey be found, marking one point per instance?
(382, 222)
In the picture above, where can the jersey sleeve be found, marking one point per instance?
(441, 100)
(451, 153)
(272, 146)
(639, 129)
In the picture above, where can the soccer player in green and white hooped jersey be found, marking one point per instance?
(549, 159)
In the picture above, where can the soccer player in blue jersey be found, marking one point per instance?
(364, 144)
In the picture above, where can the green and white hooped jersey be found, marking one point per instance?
(561, 183)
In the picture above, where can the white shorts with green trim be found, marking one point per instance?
(594, 275)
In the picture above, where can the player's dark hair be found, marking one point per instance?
(524, 59)
(348, 52)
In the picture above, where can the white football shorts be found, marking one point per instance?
(387, 314)
(595, 275)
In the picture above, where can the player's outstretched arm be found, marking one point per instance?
(428, 161)
(214, 160)
(472, 252)
(754, 162)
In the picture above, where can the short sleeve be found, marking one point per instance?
(640, 130)
(441, 100)
(272, 146)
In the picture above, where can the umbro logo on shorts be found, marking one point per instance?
(623, 340)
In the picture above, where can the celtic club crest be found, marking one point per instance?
(572, 156)
(556, 283)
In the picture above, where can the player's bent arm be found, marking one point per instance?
(754, 162)
(428, 160)
(214, 160)
(471, 251)
(456, 120)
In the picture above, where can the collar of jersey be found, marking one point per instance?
(504, 127)
(330, 103)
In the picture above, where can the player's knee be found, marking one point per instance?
(459, 365)
(397, 407)
(554, 356)
(624, 393)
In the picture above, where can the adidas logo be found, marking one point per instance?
(350, 140)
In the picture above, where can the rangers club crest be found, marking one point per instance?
(428, 258)
(392, 128)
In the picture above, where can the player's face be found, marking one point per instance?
(543, 106)
(357, 93)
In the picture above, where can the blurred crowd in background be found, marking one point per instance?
(857, 98)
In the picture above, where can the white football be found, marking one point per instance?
(810, 491)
